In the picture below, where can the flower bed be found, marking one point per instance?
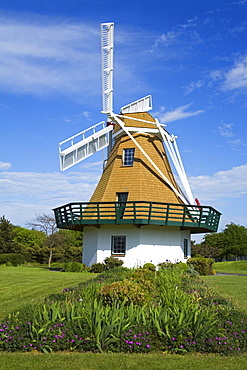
(173, 312)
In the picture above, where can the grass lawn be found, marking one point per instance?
(232, 287)
(234, 267)
(103, 361)
(24, 285)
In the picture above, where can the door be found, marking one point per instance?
(121, 204)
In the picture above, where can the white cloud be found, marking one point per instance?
(44, 56)
(237, 143)
(23, 194)
(226, 129)
(4, 165)
(166, 39)
(182, 35)
(223, 184)
(40, 57)
(193, 86)
(176, 114)
(236, 77)
(48, 187)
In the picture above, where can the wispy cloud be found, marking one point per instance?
(193, 86)
(4, 165)
(236, 77)
(48, 187)
(226, 129)
(41, 56)
(237, 144)
(176, 114)
(223, 184)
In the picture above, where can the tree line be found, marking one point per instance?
(41, 242)
(230, 243)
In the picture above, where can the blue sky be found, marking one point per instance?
(190, 56)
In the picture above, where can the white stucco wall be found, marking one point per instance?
(145, 244)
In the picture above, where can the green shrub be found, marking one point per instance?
(112, 262)
(204, 266)
(74, 267)
(11, 259)
(167, 264)
(182, 266)
(97, 267)
(149, 266)
(126, 290)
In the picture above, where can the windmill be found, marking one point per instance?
(138, 211)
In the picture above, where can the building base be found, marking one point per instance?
(145, 244)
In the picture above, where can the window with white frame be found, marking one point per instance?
(128, 156)
(185, 248)
(118, 245)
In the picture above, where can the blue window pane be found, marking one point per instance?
(118, 245)
(128, 157)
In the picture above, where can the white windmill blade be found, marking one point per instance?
(84, 144)
(172, 148)
(141, 105)
(107, 44)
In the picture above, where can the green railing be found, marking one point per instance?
(197, 218)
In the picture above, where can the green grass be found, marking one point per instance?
(89, 361)
(24, 285)
(234, 267)
(232, 287)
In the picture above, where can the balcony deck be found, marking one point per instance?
(198, 219)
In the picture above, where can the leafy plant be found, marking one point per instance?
(112, 262)
(97, 267)
(74, 267)
(149, 266)
(12, 259)
(202, 265)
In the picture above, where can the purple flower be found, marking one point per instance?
(148, 345)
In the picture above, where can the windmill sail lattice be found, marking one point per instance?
(76, 151)
(107, 31)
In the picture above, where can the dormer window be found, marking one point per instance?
(128, 156)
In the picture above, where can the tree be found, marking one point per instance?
(67, 245)
(47, 224)
(232, 241)
(236, 236)
(205, 250)
(31, 243)
(7, 245)
(63, 245)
